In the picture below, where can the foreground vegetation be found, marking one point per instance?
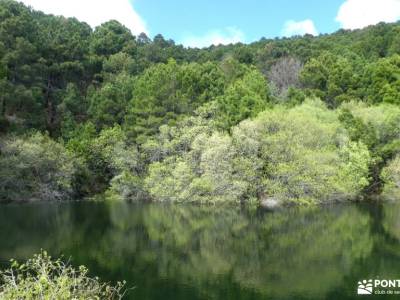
(300, 120)
(44, 278)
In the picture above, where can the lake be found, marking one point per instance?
(194, 252)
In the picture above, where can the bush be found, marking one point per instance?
(106, 155)
(391, 177)
(44, 278)
(300, 155)
(207, 173)
(305, 153)
(35, 168)
(377, 127)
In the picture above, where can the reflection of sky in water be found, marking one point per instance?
(192, 252)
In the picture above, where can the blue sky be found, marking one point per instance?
(180, 19)
(200, 23)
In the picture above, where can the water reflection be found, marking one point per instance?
(191, 252)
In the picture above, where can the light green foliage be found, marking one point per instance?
(206, 174)
(353, 175)
(122, 163)
(308, 157)
(127, 186)
(181, 156)
(380, 125)
(81, 138)
(176, 140)
(391, 177)
(379, 128)
(193, 162)
(41, 277)
(35, 167)
(232, 69)
(111, 149)
(298, 155)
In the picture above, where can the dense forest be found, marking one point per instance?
(300, 120)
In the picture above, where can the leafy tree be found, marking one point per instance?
(391, 177)
(35, 167)
(118, 63)
(243, 99)
(105, 156)
(300, 155)
(306, 155)
(333, 78)
(206, 175)
(111, 38)
(382, 81)
(108, 105)
(157, 103)
(377, 127)
(166, 91)
(63, 60)
(244, 55)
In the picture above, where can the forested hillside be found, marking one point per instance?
(99, 111)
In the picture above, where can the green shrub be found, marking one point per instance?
(306, 154)
(391, 177)
(44, 278)
(106, 155)
(300, 155)
(378, 127)
(35, 167)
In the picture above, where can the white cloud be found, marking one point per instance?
(229, 35)
(292, 28)
(355, 14)
(93, 12)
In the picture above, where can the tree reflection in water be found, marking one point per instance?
(183, 251)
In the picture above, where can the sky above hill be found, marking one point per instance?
(202, 23)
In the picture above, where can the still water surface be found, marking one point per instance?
(192, 252)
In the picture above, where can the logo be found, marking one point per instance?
(365, 287)
(379, 287)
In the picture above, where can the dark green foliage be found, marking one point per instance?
(108, 104)
(166, 92)
(111, 38)
(333, 78)
(382, 81)
(244, 98)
